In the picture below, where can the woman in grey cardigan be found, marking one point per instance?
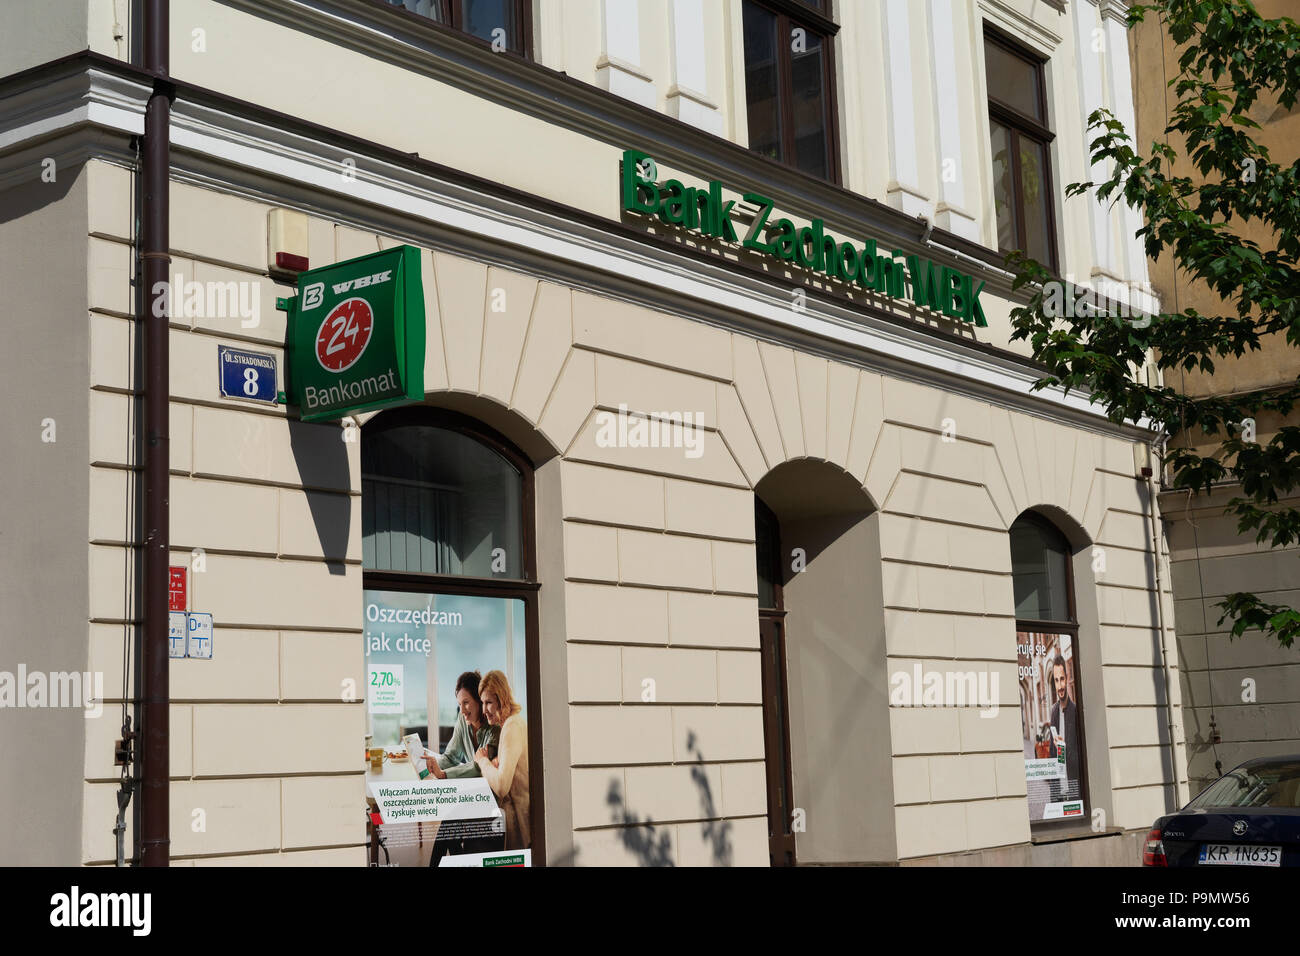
(472, 733)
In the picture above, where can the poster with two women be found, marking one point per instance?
(447, 779)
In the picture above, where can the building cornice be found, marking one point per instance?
(39, 117)
(1022, 26)
(1116, 10)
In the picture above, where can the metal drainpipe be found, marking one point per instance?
(1153, 488)
(154, 730)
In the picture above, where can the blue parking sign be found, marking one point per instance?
(246, 375)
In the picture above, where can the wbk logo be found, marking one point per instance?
(313, 295)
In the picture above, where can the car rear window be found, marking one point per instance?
(1264, 785)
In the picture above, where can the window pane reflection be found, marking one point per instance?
(1040, 571)
(1004, 190)
(425, 8)
(761, 82)
(1033, 191)
(438, 502)
(1012, 81)
(809, 108)
(484, 16)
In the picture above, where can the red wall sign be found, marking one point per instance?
(176, 588)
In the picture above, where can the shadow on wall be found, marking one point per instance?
(653, 848)
(321, 454)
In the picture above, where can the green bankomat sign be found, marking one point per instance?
(941, 289)
(355, 337)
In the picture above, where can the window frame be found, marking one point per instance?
(775, 681)
(815, 19)
(773, 559)
(1018, 124)
(525, 589)
(1054, 828)
(452, 13)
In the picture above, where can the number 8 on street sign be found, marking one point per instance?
(246, 375)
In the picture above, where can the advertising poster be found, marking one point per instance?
(1049, 719)
(446, 702)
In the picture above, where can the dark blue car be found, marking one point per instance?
(1248, 817)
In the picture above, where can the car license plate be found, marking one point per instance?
(1236, 854)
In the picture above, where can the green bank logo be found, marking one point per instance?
(356, 335)
(940, 289)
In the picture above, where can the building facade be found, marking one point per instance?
(1240, 696)
(782, 556)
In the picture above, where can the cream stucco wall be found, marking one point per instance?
(43, 566)
(656, 550)
(255, 733)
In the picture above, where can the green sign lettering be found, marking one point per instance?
(939, 289)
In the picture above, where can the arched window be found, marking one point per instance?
(437, 501)
(1040, 567)
(1047, 658)
(449, 589)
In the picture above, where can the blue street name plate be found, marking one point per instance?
(246, 375)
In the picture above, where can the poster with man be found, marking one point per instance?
(1049, 718)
